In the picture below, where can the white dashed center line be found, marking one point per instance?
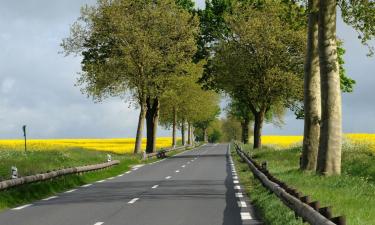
(239, 195)
(86, 185)
(155, 186)
(177, 171)
(242, 204)
(168, 177)
(99, 223)
(46, 199)
(246, 216)
(70, 191)
(21, 207)
(133, 200)
(183, 166)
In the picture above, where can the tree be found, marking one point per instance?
(312, 98)
(329, 154)
(240, 110)
(360, 15)
(134, 46)
(186, 102)
(232, 129)
(261, 63)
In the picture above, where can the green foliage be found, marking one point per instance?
(261, 63)
(132, 45)
(347, 84)
(215, 136)
(231, 129)
(361, 16)
(186, 4)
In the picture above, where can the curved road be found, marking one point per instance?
(197, 187)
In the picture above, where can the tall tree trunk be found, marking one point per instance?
(183, 140)
(141, 121)
(205, 136)
(329, 155)
(245, 130)
(152, 117)
(192, 135)
(312, 98)
(189, 133)
(258, 125)
(174, 128)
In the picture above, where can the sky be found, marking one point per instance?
(37, 83)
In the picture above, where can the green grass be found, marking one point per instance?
(350, 194)
(42, 161)
(271, 210)
(34, 162)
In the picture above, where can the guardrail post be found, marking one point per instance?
(264, 166)
(315, 205)
(326, 211)
(306, 199)
(340, 220)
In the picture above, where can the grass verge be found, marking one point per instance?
(350, 194)
(271, 210)
(42, 161)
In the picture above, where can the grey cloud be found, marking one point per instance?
(37, 83)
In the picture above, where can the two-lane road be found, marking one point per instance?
(197, 187)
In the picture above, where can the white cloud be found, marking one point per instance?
(7, 85)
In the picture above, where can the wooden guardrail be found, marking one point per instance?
(49, 175)
(309, 211)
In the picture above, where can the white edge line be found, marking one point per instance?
(99, 223)
(86, 185)
(46, 199)
(22, 207)
(70, 191)
(133, 200)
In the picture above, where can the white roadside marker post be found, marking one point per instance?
(14, 172)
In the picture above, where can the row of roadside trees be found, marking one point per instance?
(144, 52)
(258, 54)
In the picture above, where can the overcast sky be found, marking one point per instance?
(37, 83)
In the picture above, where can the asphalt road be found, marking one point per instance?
(197, 187)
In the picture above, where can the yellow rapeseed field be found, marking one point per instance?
(282, 141)
(118, 145)
(362, 139)
(289, 141)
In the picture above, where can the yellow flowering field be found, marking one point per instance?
(362, 139)
(289, 141)
(117, 145)
(282, 141)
